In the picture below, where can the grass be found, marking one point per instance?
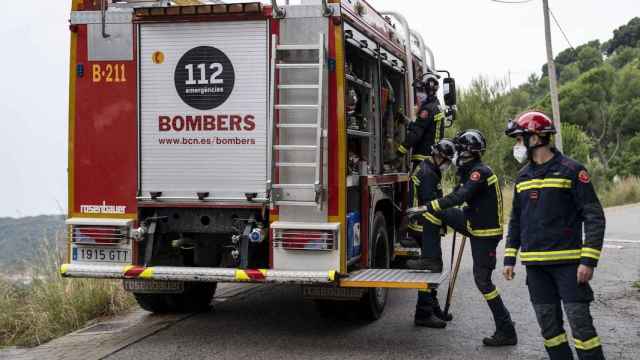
(626, 191)
(51, 306)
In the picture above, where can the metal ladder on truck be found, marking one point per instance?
(305, 190)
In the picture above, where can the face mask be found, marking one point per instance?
(520, 153)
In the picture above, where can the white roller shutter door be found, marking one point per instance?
(203, 109)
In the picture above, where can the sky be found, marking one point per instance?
(470, 38)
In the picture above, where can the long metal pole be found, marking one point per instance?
(409, 55)
(454, 277)
(553, 80)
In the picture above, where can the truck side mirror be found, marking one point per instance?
(449, 91)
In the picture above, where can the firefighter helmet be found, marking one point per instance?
(529, 123)
(430, 82)
(470, 142)
(444, 148)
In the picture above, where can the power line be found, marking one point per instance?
(561, 30)
(512, 2)
(555, 20)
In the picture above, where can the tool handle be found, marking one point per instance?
(454, 276)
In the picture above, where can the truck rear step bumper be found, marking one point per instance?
(198, 274)
(369, 278)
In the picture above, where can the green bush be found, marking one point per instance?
(51, 306)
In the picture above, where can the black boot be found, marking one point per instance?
(505, 328)
(424, 315)
(500, 338)
(430, 322)
(430, 264)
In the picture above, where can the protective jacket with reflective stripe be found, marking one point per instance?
(426, 186)
(480, 190)
(425, 131)
(551, 202)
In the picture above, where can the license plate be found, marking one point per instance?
(153, 286)
(93, 254)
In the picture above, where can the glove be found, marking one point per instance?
(416, 211)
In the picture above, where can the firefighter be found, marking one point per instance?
(481, 221)
(553, 200)
(425, 186)
(428, 128)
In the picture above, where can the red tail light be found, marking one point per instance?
(290, 239)
(100, 235)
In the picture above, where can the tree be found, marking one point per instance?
(626, 35)
(633, 160)
(586, 102)
(626, 99)
(576, 143)
(535, 88)
(628, 164)
(589, 58)
(599, 101)
(487, 107)
(624, 56)
(569, 73)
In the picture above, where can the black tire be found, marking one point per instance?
(195, 298)
(374, 301)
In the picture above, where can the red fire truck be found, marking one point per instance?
(215, 142)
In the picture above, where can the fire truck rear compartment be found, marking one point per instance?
(205, 237)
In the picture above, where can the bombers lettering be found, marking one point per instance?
(207, 123)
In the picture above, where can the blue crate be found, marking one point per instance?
(353, 234)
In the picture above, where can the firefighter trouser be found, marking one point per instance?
(483, 252)
(548, 285)
(426, 230)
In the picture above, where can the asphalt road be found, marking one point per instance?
(274, 322)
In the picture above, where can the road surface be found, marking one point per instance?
(273, 322)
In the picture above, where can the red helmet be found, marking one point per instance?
(530, 122)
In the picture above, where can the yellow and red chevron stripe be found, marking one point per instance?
(251, 275)
(128, 272)
(132, 271)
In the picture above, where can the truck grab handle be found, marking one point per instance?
(278, 12)
(407, 30)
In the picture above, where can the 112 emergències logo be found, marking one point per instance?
(204, 77)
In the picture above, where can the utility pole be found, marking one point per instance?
(553, 80)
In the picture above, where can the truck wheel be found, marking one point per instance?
(195, 298)
(375, 299)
